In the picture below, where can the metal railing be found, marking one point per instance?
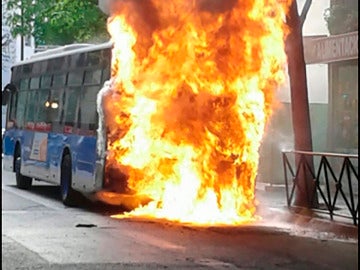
(335, 179)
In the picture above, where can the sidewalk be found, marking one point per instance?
(274, 212)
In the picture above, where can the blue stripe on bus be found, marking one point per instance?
(82, 150)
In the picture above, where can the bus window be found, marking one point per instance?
(41, 115)
(75, 78)
(94, 58)
(105, 57)
(20, 108)
(88, 108)
(37, 68)
(59, 80)
(31, 106)
(27, 68)
(34, 83)
(62, 107)
(46, 81)
(106, 75)
(16, 73)
(55, 109)
(80, 60)
(12, 113)
(71, 107)
(24, 84)
(56, 64)
(55, 104)
(92, 77)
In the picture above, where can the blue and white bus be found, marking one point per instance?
(52, 120)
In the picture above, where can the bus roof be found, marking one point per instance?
(63, 51)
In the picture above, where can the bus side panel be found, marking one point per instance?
(34, 156)
(9, 141)
(86, 164)
(56, 144)
(83, 157)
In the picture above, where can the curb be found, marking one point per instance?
(308, 222)
(269, 187)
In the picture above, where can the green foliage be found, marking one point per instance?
(58, 22)
(342, 18)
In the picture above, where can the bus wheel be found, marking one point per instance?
(22, 182)
(68, 195)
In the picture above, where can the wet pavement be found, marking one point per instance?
(274, 210)
(39, 232)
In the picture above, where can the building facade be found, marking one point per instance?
(11, 51)
(340, 53)
(332, 84)
(339, 50)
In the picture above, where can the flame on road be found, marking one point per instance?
(193, 84)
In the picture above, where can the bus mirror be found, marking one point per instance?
(8, 89)
(4, 97)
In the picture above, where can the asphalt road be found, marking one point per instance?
(38, 232)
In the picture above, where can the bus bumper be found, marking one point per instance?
(112, 187)
(128, 201)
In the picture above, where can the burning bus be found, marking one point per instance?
(187, 88)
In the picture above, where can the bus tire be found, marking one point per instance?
(69, 196)
(22, 182)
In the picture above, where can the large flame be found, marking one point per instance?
(193, 84)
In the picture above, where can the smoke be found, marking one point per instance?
(101, 131)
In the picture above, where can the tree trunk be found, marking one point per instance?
(305, 185)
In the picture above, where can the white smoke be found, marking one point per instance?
(101, 131)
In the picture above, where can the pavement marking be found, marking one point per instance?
(35, 198)
(16, 212)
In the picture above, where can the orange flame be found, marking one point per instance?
(193, 83)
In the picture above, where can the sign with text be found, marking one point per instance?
(331, 49)
(39, 147)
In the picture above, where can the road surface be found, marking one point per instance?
(38, 232)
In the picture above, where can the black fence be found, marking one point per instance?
(335, 183)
